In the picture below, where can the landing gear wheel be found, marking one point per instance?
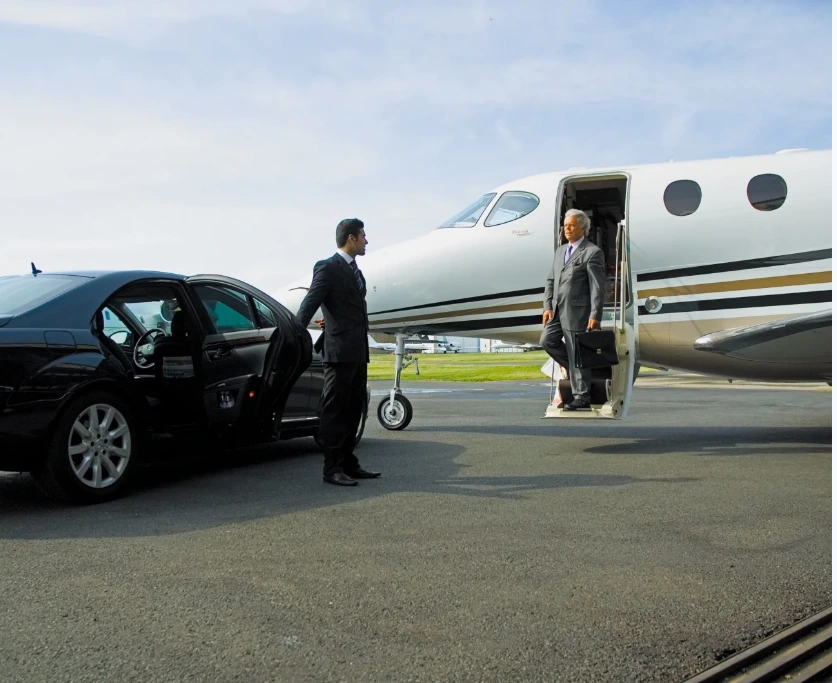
(395, 415)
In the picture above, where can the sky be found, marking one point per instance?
(219, 136)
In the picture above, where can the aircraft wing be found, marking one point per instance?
(800, 339)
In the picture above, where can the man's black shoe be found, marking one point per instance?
(578, 404)
(339, 479)
(363, 474)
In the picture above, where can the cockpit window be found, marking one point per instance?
(468, 217)
(510, 207)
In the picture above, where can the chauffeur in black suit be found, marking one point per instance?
(340, 288)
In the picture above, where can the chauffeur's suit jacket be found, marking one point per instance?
(335, 288)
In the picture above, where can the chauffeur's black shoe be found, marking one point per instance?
(363, 474)
(339, 479)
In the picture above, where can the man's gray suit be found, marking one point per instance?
(575, 294)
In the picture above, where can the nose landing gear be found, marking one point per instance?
(395, 411)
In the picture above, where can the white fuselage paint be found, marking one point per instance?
(447, 281)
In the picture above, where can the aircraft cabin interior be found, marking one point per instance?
(603, 200)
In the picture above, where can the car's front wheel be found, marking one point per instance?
(93, 449)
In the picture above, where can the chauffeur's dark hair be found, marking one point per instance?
(346, 227)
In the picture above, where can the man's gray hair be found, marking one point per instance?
(583, 219)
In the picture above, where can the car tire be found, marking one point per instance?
(84, 465)
(362, 426)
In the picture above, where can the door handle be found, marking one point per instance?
(218, 352)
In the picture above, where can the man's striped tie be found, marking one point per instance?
(353, 264)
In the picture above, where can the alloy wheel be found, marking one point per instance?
(99, 446)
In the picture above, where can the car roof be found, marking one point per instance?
(130, 274)
(72, 308)
(87, 296)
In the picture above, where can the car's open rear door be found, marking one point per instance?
(288, 356)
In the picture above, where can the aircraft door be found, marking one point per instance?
(612, 386)
(605, 199)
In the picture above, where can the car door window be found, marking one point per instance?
(265, 317)
(116, 328)
(227, 308)
(148, 305)
(153, 313)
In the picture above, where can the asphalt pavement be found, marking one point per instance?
(497, 546)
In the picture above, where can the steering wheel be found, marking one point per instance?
(144, 352)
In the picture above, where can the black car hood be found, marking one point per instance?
(5, 318)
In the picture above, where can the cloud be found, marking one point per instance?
(109, 17)
(506, 137)
(233, 136)
(109, 150)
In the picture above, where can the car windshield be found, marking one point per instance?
(468, 217)
(23, 293)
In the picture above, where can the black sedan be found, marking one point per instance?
(94, 366)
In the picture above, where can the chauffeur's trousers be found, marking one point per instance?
(344, 395)
(560, 345)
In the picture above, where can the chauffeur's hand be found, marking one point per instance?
(593, 324)
(547, 316)
(321, 323)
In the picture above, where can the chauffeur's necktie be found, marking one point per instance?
(353, 264)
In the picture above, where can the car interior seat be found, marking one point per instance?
(177, 371)
(177, 345)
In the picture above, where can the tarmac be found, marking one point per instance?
(497, 546)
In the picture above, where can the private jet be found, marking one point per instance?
(720, 267)
(505, 346)
(417, 346)
(381, 346)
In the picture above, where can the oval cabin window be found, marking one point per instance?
(767, 192)
(682, 197)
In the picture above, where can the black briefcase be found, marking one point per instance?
(595, 349)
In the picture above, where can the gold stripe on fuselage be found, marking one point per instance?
(739, 285)
(527, 306)
(703, 288)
